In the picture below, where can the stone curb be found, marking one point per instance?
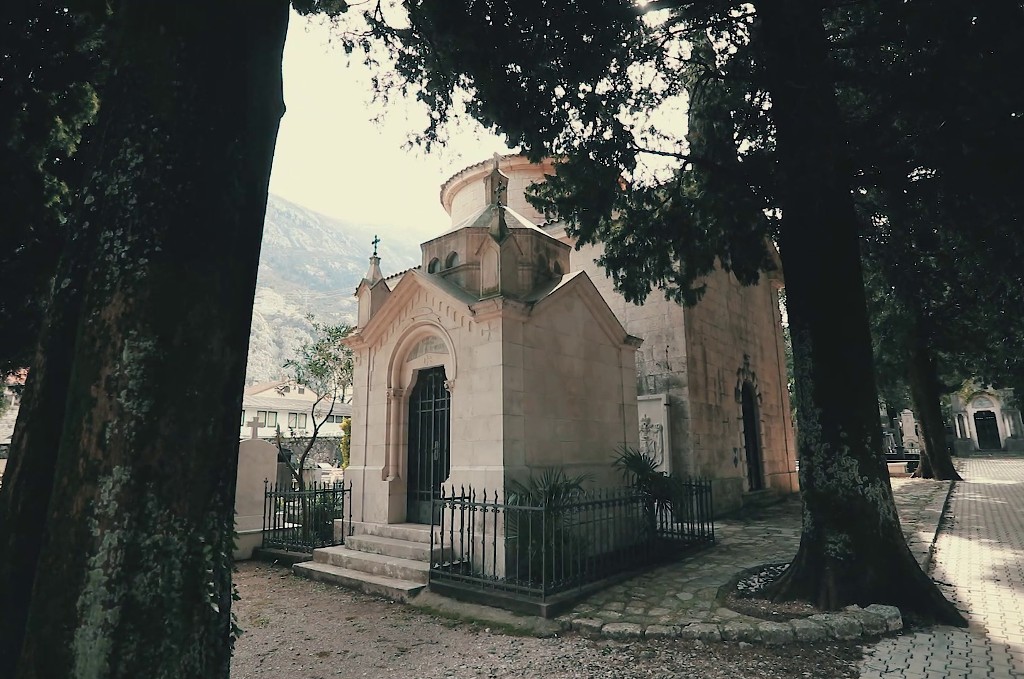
(852, 623)
(926, 562)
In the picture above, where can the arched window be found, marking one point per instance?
(556, 268)
(452, 260)
(434, 265)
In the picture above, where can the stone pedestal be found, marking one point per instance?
(257, 462)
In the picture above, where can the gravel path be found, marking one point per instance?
(302, 629)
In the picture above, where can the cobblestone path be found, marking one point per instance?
(979, 563)
(684, 592)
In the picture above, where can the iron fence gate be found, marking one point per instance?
(303, 520)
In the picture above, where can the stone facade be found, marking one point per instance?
(544, 366)
(984, 419)
(537, 370)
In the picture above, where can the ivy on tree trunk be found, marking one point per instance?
(132, 415)
(852, 549)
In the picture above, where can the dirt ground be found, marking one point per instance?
(296, 628)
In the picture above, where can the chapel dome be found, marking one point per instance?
(464, 194)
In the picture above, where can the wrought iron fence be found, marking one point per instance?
(303, 520)
(483, 542)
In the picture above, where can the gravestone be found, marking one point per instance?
(257, 461)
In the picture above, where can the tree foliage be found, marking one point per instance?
(51, 69)
(324, 366)
(598, 85)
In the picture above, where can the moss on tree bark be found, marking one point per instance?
(133, 576)
(852, 549)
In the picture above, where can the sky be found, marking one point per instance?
(333, 159)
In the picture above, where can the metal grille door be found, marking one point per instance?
(752, 439)
(429, 450)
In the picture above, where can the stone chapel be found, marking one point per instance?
(507, 350)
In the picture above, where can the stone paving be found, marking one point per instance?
(679, 599)
(979, 563)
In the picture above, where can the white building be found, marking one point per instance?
(285, 404)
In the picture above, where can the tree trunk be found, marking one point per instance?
(852, 549)
(134, 573)
(28, 480)
(922, 375)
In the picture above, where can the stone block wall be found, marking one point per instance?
(661, 365)
(734, 335)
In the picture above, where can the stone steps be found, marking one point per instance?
(374, 564)
(391, 560)
(410, 532)
(391, 588)
(762, 498)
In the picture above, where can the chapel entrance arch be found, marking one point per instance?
(752, 438)
(988, 430)
(429, 457)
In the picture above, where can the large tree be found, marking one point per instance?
(935, 203)
(587, 82)
(116, 513)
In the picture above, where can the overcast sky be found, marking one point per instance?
(333, 159)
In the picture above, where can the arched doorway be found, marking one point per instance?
(429, 442)
(988, 430)
(752, 438)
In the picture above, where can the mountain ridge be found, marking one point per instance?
(309, 264)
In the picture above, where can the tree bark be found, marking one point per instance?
(922, 375)
(28, 480)
(133, 576)
(852, 550)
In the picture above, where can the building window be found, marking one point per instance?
(434, 265)
(286, 389)
(296, 420)
(452, 261)
(267, 418)
(261, 417)
(243, 417)
(302, 390)
(271, 418)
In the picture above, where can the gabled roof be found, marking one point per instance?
(412, 280)
(260, 387)
(576, 282)
(579, 283)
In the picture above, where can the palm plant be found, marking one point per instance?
(663, 492)
(538, 523)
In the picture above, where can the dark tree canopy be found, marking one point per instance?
(50, 72)
(599, 86)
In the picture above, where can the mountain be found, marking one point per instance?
(310, 264)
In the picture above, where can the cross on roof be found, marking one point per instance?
(375, 242)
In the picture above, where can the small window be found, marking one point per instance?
(302, 390)
(271, 418)
(556, 268)
(302, 421)
(261, 417)
(293, 420)
(452, 261)
(434, 265)
(286, 389)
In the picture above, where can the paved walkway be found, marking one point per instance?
(979, 559)
(662, 601)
